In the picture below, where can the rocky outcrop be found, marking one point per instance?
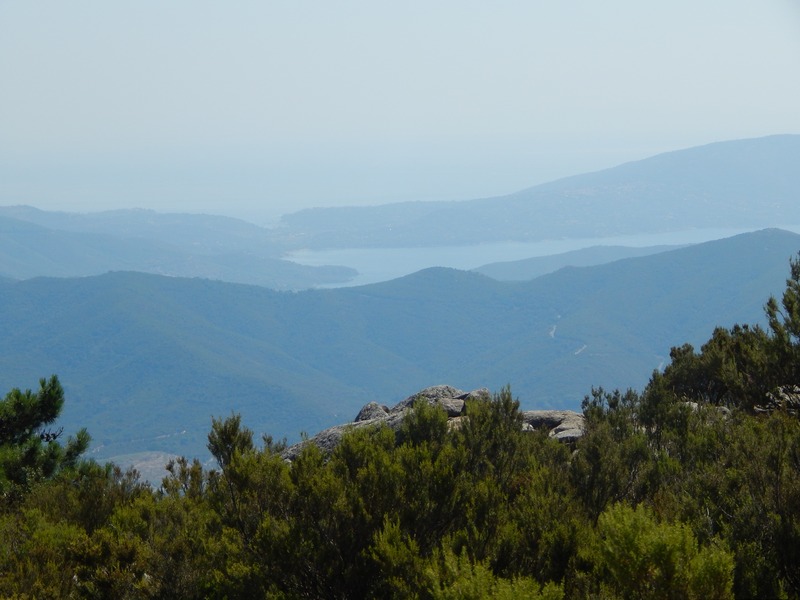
(563, 425)
(785, 398)
(723, 410)
(370, 411)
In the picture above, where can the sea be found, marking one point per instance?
(381, 264)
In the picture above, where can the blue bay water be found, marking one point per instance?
(381, 264)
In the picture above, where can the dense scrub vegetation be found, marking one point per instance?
(689, 489)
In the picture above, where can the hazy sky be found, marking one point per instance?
(258, 108)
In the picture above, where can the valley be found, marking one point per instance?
(157, 322)
(147, 360)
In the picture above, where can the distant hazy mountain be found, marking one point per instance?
(200, 233)
(530, 268)
(147, 360)
(40, 243)
(743, 184)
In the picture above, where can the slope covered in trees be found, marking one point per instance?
(687, 489)
(147, 360)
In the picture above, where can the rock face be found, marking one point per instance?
(564, 425)
(785, 398)
(370, 411)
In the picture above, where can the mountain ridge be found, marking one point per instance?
(143, 356)
(530, 268)
(42, 243)
(749, 183)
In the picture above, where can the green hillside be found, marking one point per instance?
(686, 488)
(147, 360)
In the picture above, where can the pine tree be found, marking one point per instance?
(29, 450)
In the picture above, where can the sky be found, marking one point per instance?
(258, 108)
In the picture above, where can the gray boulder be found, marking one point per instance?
(438, 394)
(784, 398)
(563, 425)
(373, 410)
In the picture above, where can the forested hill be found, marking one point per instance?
(147, 360)
(737, 184)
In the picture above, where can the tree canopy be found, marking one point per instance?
(689, 488)
(29, 450)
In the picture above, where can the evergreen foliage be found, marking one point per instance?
(687, 489)
(29, 451)
(150, 358)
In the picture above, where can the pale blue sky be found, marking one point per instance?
(255, 108)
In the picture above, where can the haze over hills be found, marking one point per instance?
(749, 184)
(738, 185)
(58, 244)
(147, 360)
(530, 268)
